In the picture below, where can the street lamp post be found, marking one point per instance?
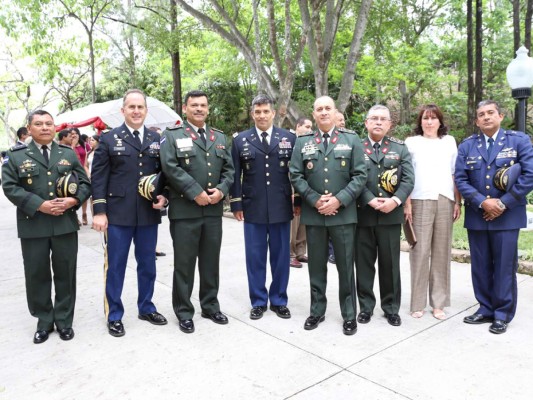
(520, 78)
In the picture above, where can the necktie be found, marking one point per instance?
(264, 141)
(201, 132)
(489, 149)
(325, 136)
(45, 153)
(376, 149)
(137, 138)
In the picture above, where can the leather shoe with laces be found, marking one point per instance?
(116, 328)
(186, 325)
(217, 317)
(281, 311)
(364, 317)
(349, 327)
(394, 319)
(41, 336)
(257, 312)
(66, 333)
(498, 326)
(154, 318)
(312, 322)
(477, 319)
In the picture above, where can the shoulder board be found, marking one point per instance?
(64, 146)
(235, 134)
(395, 140)
(347, 131)
(307, 134)
(216, 130)
(18, 147)
(516, 133)
(471, 137)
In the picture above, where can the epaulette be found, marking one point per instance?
(18, 147)
(235, 135)
(307, 134)
(215, 129)
(345, 130)
(474, 136)
(395, 140)
(66, 146)
(177, 125)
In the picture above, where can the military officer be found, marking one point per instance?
(47, 223)
(328, 171)
(199, 171)
(263, 200)
(124, 155)
(493, 217)
(380, 217)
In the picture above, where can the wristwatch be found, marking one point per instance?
(501, 205)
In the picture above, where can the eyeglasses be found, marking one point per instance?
(376, 119)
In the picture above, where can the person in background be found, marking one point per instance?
(78, 145)
(432, 207)
(46, 222)
(22, 135)
(494, 212)
(64, 138)
(298, 242)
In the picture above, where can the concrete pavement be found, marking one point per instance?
(266, 359)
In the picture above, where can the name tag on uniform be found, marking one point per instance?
(184, 143)
(123, 148)
(342, 146)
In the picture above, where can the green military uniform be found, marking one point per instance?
(27, 182)
(339, 170)
(191, 167)
(390, 173)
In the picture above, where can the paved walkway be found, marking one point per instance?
(266, 359)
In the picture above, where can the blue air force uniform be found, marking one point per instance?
(118, 164)
(265, 197)
(493, 244)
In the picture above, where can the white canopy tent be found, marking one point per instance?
(159, 114)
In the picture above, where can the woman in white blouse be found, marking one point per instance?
(432, 207)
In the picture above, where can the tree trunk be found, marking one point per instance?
(527, 27)
(405, 108)
(516, 23)
(479, 52)
(93, 71)
(175, 56)
(470, 68)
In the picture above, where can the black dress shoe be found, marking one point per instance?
(498, 326)
(66, 333)
(257, 312)
(477, 319)
(281, 311)
(312, 322)
(303, 259)
(41, 336)
(349, 327)
(160, 254)
(186, 325)
(116, 328)
(217, 317)
(394, 319)
(364, 317)
(154, 318)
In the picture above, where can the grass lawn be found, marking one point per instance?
(525, 240)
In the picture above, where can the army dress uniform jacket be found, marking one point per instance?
(191, 167)
(118, 164)
(474, 178)
(28, 182)
(265, 192)
(339, 170)
(393, 154)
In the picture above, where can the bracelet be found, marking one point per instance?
(459, 203)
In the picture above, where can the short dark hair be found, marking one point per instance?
(194, 93)
(131, 91)
(489, 102)
(63, 134)
(300, 121)
(261, 99)
(37, 112)
(73, 128)
(22, 131)
(431, 109)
